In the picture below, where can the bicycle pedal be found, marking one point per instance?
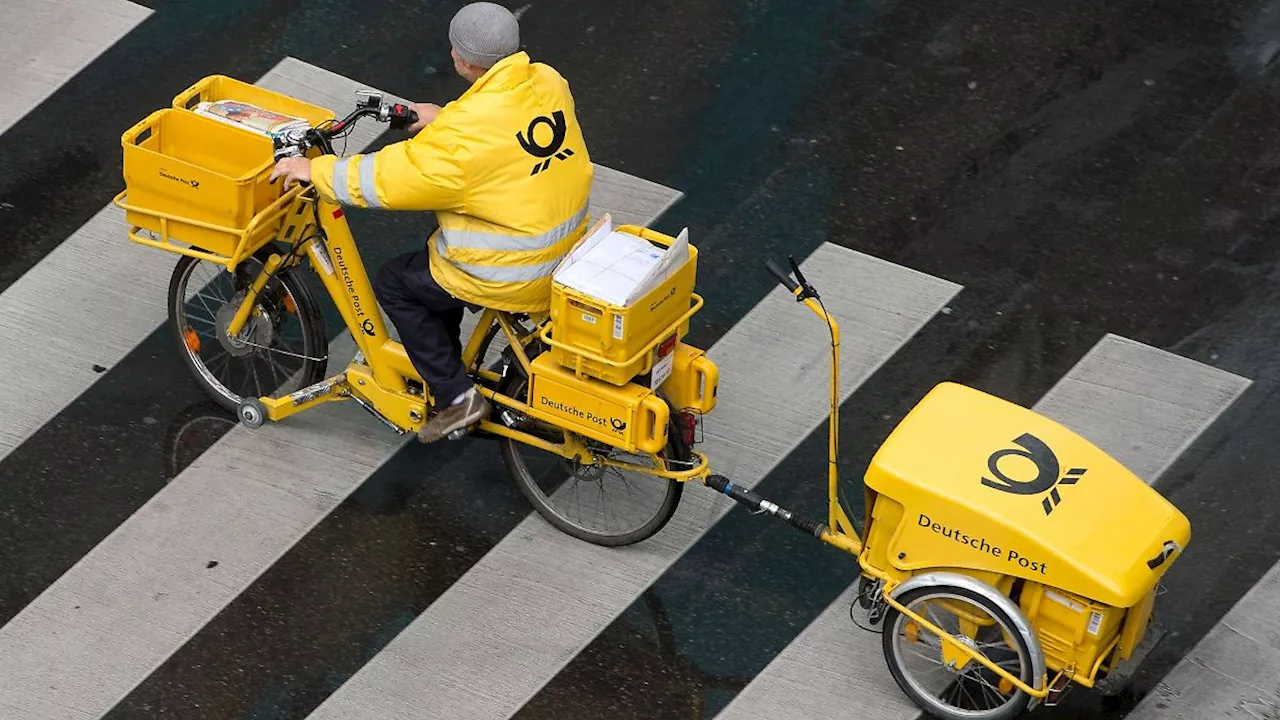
(457, 434)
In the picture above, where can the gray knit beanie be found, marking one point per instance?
(483, 33)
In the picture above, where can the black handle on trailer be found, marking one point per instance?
(795, 268)
(783, 278)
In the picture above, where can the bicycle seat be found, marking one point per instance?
(987, 484)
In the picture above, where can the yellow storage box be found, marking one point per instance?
(201, 186)
(597, 339)
(632, 418)
(220, 87)
(198, 181)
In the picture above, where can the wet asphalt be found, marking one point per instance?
(1081, 168)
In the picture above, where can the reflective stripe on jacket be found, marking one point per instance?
(506, 170)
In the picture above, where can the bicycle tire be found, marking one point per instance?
(528, 486)
(308, 313)
(932, 707)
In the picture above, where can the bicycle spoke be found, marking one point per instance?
(275, 377)
(218, 357)
(211, 323)
(222, 374)
(256, 382)
(275, 364)
(201, 298)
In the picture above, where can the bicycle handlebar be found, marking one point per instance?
(806, 290)
(398, 115)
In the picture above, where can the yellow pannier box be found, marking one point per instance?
(597, 339)
(193, 180)
(631, 417)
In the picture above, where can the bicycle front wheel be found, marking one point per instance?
(282, 347)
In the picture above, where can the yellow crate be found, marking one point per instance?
(615, 344)
(194, 180)
(213, 200)
(220, 87)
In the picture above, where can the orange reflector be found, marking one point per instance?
(911, 632)
(192, 340)
(667, 346)
(1006, 687)
(289, 305)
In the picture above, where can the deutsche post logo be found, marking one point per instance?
(554, 148)
(1047, 472)
(194, 184)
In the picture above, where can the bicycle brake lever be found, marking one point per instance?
(368, 98)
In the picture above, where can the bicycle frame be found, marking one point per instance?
(383, 384)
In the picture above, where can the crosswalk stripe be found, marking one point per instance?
(1233, 672)
(60, 309)
(132, 601)
(508, 625)
(52, 665)
(43, 44)
(1141, 405)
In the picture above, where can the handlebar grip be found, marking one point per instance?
(402, 116)
(783, 278)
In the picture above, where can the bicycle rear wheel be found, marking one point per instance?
(606, 505)
(283, 345)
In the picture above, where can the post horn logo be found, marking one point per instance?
(618, 425)
(1047, 470)
(367, 327)
(545, 152)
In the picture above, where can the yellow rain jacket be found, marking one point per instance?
(507, 172)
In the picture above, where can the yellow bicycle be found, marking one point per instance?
(1004, 556)
(596, 406)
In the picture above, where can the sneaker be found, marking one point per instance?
(470, 411)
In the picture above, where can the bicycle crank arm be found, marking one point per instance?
(374, 412)
(722, 484)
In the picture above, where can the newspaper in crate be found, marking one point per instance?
(250, 117)
(618, 267)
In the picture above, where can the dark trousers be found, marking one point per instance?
(429, 320)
